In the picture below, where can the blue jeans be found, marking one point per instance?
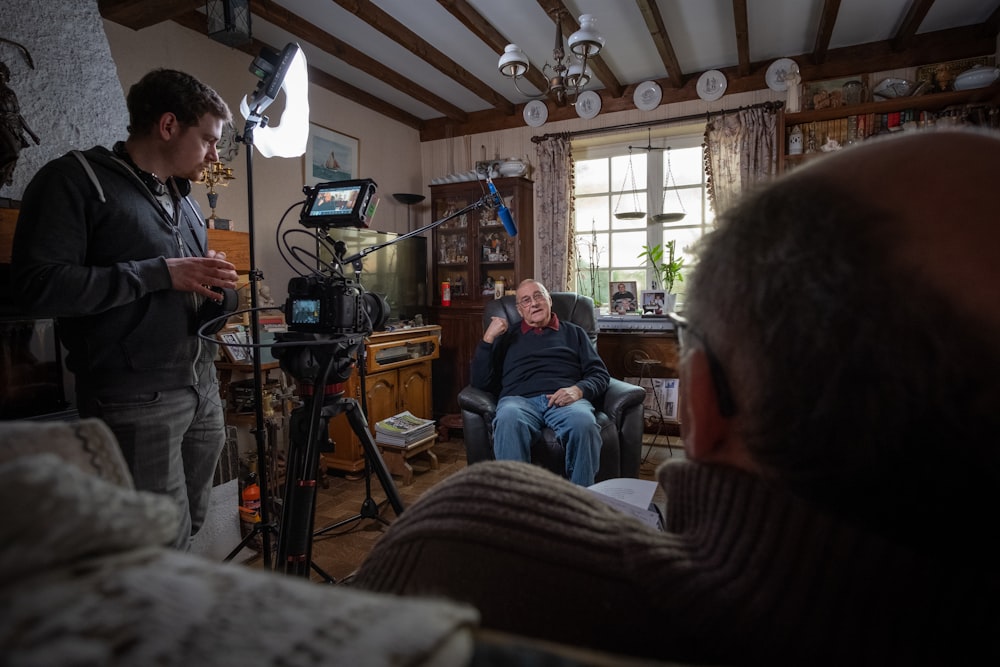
(519, 420)
(171, 441)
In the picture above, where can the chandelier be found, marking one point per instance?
(567, 79)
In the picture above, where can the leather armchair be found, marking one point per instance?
(619, 410)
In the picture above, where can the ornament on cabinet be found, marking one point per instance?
(795, 140)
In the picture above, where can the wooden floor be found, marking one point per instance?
(339, 551)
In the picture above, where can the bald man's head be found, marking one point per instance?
(853, 308)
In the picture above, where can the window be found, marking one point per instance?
(610, 180)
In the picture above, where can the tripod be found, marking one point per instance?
(369, 508)
(308, 430)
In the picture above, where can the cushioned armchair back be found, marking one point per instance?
(569, 306)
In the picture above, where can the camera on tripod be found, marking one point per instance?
(333, 305)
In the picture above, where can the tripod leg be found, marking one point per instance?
(374, 456)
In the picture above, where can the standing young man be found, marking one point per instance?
(109, 242)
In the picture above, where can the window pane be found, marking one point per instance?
(686, 165)
(591, 176)
(591, 213)
(625, 248)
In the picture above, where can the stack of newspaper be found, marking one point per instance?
(403, 429)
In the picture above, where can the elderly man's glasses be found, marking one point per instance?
(526, 301)
(723, 394)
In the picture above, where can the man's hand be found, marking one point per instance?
(198, 274)
(565, 396)
(498, 326)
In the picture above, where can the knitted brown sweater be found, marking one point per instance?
(745, 573)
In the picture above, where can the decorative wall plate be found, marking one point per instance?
(588, 104)
(536, 113)
(647, 96)
(776, 73)
(712, 85)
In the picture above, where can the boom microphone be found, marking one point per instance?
(502, 211)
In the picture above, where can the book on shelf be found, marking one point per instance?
(403, 429)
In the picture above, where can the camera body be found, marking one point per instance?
(333, 305)
(321, 304)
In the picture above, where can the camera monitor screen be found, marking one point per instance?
(340, 204)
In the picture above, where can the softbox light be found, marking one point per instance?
(229, 21)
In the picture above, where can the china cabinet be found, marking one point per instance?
(471, 254)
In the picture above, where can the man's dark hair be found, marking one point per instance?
(166, 90)
(857, 382)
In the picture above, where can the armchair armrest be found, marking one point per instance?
(478, 401)
(620, 398)
(478, 410)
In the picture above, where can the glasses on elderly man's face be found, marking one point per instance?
(526, 301)
(723, 394)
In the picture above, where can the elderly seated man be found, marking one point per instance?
(840, 396)
(548, 372)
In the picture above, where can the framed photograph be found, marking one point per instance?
(330, 156)
(940, 78)
(623, 297)
(828, 93)
(234, 344)
(654, 303)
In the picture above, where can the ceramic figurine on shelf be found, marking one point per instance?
(795, 141)
(793, 79)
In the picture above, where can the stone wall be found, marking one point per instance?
(73, 97)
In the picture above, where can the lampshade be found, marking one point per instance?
(513, 62)
(577, 76)
(229, 21)
(586, 41)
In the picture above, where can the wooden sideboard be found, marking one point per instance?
(623, 350)
(398, 378)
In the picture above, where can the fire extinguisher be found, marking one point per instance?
(446, 293)
(251, 497)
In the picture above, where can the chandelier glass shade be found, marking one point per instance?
(570, 74)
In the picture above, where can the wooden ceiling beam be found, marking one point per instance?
(827, 21)
(481, 28)
(911, 23)
(196, 21)
(274, 13)
(661, 40)
(390, 27)
(742, 25)
(138, 14)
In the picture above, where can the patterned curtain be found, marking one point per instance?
(554, 229)
(741, 149)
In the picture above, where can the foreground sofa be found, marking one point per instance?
(84, 580)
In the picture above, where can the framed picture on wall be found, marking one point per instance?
(623, 297)
(330, 156)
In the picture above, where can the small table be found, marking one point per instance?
(397, 457)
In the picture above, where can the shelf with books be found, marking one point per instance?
(847, 124)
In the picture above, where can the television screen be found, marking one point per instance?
(398, 271)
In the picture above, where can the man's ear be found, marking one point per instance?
(706, 431)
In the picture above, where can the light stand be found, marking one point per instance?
(270, 67)
(265, 527)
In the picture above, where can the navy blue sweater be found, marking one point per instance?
(530, 364)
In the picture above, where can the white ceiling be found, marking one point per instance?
(702, 33)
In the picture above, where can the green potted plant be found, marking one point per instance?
(668, 272)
